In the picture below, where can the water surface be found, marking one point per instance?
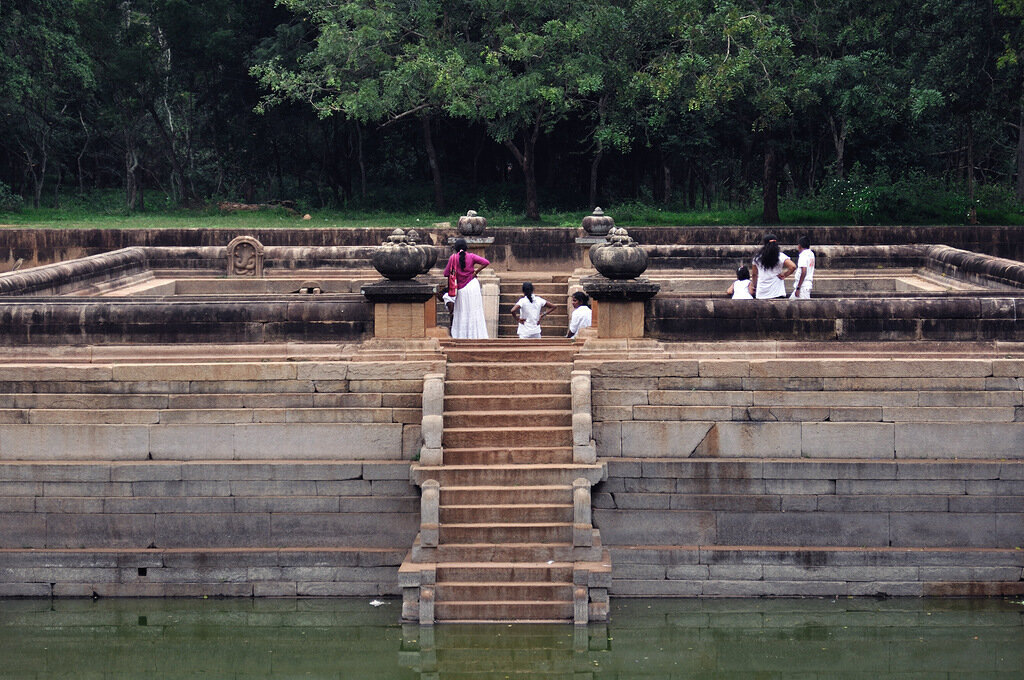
(808, 638)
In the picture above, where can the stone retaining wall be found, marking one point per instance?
(974, 317)
(236, 478)
(71, 321)
(811, 476)
(515, 248)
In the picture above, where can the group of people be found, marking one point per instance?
(765, 280)
(467, 305)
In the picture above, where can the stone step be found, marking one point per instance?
(539, 455)
(460, 553)
(505, 387)
(140, 416)
(111, 400)
(506, 532)
(548, 329)
(504, 495)
(525, 591)
(506, 419)
(506, 371)
(518, 572)
(472, 437)
(505, 349)
(512, 402)
(503, 611)
(512, 475)
(494, 513)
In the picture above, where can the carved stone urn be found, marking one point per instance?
(619, 257)
(598, 224)
(397, 259)
(430, 252)
(472, 224)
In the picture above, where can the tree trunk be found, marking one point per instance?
(177, 173)
(666, 184)
(1020, 154)
(131, 187)
(362, 164)
(525, 158)
(839, 140)
(593, 177)
(970, 161)
(770, 214)
(435, 169)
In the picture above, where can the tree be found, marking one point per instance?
(42, 72)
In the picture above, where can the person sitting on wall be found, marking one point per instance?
(740, 288)
(770, 268)
(582, 316)
(805, 267)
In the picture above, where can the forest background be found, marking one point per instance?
(860, 111)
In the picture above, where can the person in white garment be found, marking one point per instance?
(804, 270)
(770, 269)
(581, 314)
(468, 312)
(740, 288)
(529, 310)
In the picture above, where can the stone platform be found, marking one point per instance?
(762, 468)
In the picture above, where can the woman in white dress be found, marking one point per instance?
(529, 311)
(771, 267)
(581, 314)
(468, 315)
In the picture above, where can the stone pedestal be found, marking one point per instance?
(401, 309)
(622, 305)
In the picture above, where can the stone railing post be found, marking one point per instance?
(430, 513)
(432, 426)
(583, 448)
(580, 606)
(582, 524)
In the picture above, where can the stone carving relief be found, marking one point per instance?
(245, 257)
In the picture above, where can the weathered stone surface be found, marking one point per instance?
(662, 439)
(954, 440)
(84, 442)
(848, 440)
(754, 439)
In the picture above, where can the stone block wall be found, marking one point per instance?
(213, 478)
(811, 476)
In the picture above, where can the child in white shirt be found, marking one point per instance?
(529, 310)
(805, 270)
(740, 288)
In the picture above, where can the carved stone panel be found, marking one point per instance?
(245, 257)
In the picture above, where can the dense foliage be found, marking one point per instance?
(885, 110)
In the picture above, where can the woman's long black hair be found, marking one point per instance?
(528, 290)
(769, 255)
(460, 248)
(583, 298)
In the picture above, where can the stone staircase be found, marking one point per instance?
(506, 533)
(552, 288)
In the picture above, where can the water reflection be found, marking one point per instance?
(646, 639)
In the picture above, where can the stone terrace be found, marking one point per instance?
(249, 470)
(788, 469)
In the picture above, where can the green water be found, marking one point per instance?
(646, 639)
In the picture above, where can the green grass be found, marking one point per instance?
(627, 215)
